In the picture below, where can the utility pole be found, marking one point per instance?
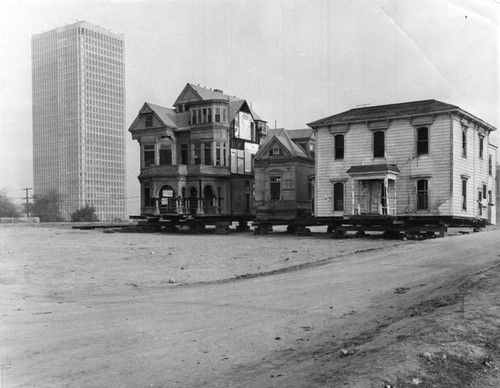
(27, 201)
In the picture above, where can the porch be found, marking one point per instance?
(373, 189)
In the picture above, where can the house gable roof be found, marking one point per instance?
(193, 92)
(280, 135)
(306, 133)
(392, 111)
(166, 115)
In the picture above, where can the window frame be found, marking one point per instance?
(464, 193)
(336, 146)
(422, 142)
(464, 142)
(151, 149)
(165, 149)
(422, 194)
(376, 150)
(184, 153)
(148, 121)
(481, 146)
(336, 208)
(275, 181)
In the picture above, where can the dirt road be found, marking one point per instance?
(85, 308)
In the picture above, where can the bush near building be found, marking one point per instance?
(7, 207)
(47, 207)
(85, 214)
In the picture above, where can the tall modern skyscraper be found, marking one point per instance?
(78, 80)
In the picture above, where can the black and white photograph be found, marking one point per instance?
(249, 193)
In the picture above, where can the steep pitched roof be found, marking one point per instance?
(209, 94)
(281, 135)
(167, 115)
(193, 92)
(405, 109)
(300, 133)
(255, 115)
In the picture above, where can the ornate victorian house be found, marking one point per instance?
(196, 158)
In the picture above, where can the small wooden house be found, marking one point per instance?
(196, 158)
(422, 162)
(284, 177)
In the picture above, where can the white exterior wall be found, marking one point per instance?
(400, 149)
(474, 168)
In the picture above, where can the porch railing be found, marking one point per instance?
(375, 205)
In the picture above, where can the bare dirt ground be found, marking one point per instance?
(88, 308)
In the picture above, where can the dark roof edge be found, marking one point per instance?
(323, 122)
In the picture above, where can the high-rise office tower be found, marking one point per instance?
(79, 118)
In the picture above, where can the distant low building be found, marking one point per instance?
(284, 176)
(197, 157)
(421, 160)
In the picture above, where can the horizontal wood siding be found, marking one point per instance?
(400, 150)
(473, 167)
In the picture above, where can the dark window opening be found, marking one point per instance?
(490, 165)
(339, 146)
(184, 154)
(464, 194)
(422, 194)
(197, 153)
(165, 155)
(312, 152)
(379, 144)
(149, 120)
(217, 115)
(149, 155)
(275, 187)
(479, 202)
(147, 200)
(422, 141)
(338, 197)
(464, 142)
(481, 146)
(208, 154)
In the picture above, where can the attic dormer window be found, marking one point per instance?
(276, 151)
(149, 120)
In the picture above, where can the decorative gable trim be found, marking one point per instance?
(146, 109)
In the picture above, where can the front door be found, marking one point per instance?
(167, 200)
(208, 196)
(377, 200)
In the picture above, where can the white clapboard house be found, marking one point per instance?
(421, 162)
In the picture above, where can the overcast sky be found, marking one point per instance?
(295, 61)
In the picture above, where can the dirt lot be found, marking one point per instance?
(88, 308)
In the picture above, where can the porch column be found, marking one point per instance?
(386, 191)
(157, 208)
(395, 199)
(200, 209)
(353, 197)
(179, 205)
